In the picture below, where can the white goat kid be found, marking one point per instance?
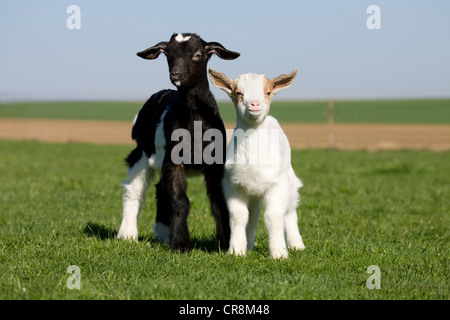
(258, 166)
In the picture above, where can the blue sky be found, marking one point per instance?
(328, 42)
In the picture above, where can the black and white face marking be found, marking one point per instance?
(187, 59)
(187, 55)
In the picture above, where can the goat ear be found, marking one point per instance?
(221, 81)
(217, 48)
(283, 81)
(153, 52)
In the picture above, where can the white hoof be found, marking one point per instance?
(279, 253)
(122, 235)
(237, 252)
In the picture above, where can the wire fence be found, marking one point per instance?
(377, 125)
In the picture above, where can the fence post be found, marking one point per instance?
(330, 117)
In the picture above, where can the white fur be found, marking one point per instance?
(181, 38)
(251, 86)
(139, 178)
(268, 177)
(156, 159)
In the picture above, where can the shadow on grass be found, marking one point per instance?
(101, 232)
(94, 230)
(204, 244)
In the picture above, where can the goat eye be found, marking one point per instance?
(197, 56)
(239, 93)
(268, 93)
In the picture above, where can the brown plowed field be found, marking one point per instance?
(343, 136)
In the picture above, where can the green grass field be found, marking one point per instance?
(376, 111)
(60, 205)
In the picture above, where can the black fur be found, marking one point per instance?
(192, 102)
(146, 122)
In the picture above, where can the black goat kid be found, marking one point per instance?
(191, 107)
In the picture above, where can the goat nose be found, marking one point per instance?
(175, 73)
(254, 103)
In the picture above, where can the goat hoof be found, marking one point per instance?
(279, 254)
(237, 252)
(130, 238)
(127, 235)
(299, 247)
(180, 247)
(223, 246)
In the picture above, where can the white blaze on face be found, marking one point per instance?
(181, 38)
(253, 101)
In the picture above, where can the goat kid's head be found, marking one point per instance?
(251, 93)
(187, 55)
